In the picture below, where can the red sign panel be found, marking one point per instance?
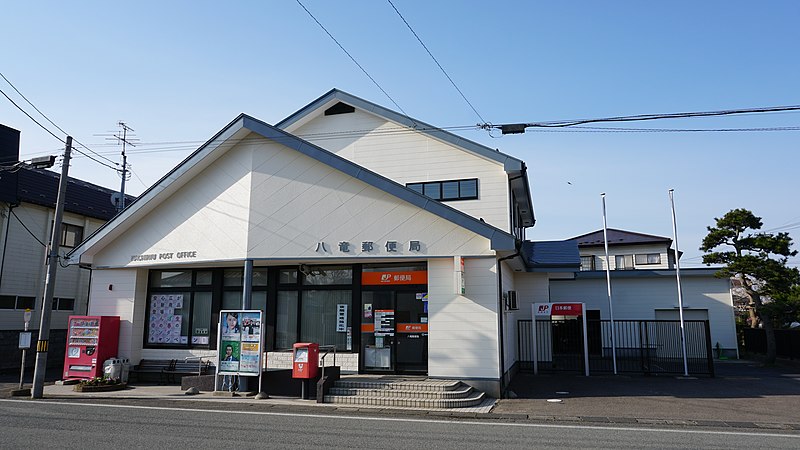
(391, 278)
(412, 327)
(566, 309)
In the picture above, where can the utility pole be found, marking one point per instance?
(42, 345)
(125, 141)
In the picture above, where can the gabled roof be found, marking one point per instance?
(619, 237)
(242, 126)
(548, 256)
(515, 168)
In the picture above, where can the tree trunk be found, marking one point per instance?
(772, 351)
(751, 309)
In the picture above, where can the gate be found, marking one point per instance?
(642, 346)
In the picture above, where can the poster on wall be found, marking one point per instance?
(240, 342)
(166, 320)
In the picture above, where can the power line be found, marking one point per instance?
(515, 128)
(26, 228)
(31, 117)
(51, 122)
(351, 57)
(437, 63)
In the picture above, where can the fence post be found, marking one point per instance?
(709, 353)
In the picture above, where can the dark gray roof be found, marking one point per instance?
(515, 168)
(40, 187)
(544, 256)
(619, 237)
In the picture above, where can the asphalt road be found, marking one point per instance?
(32, 424)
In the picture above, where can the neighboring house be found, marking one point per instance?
(27, 209)
(391, 239)
(644, 284)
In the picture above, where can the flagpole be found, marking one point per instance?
(680, 291)
(608, 282)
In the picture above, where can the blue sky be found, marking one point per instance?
(180, 71)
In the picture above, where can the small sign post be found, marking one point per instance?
(24, 344)
(547, 310)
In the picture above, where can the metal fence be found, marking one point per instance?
(642, 346)
(787, 342)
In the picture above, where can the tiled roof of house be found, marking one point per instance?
(549, 255)
(618, 237)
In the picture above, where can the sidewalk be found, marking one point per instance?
(743, 395)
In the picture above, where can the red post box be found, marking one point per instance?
(305, 360)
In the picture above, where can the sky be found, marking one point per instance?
(177, 72)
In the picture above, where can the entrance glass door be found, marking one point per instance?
(394, 332)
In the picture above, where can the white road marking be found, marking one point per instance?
(396, 419)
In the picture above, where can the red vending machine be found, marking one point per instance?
(90, 341)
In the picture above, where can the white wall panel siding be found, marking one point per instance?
(640, 297)
(463, 335)
(209, 214)
(124, 299)
(24, 266)
(409, 157)
(281, 210)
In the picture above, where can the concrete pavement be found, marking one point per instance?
(743, 395)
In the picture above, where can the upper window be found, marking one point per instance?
(649, 258)
(71, 235)
(448, 190)
(623, 262)
(587, 263)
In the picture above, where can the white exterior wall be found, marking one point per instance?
(262, 200)
(24, 266)
(640, 297)
(463, 335)
(600, 256)
(411, 157)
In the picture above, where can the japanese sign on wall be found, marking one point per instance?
(166, 320)
(240, 342)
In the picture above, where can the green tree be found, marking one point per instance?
(758, 260)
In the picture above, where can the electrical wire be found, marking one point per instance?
(31, 117)
(351, 57)
(520, 127)
(26, 228)
(437, 63)
(51, 122)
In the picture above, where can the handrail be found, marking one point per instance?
(328, 349)
(199, 362)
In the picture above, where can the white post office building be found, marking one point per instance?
(348, 224)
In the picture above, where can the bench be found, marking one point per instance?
(169, 369)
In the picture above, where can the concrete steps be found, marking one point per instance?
(404, 393)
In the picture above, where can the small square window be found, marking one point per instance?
(71, 235)
(449, 190)
(63, 304)
(587, 263)
(415, 187)
(650, 258)
(432, 190)
(26, 302)
(8, 301)
(468, 189)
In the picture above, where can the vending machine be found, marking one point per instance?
(90, 341)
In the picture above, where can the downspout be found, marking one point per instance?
(500, 312)
(11, 206)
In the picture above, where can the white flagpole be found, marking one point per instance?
(608, 282)
(678, 276)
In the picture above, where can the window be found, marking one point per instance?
(71, 235)
(623, 262)
(587, 263)
(16, 302)
(649, 258)
(63, 304)
(448, 190)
